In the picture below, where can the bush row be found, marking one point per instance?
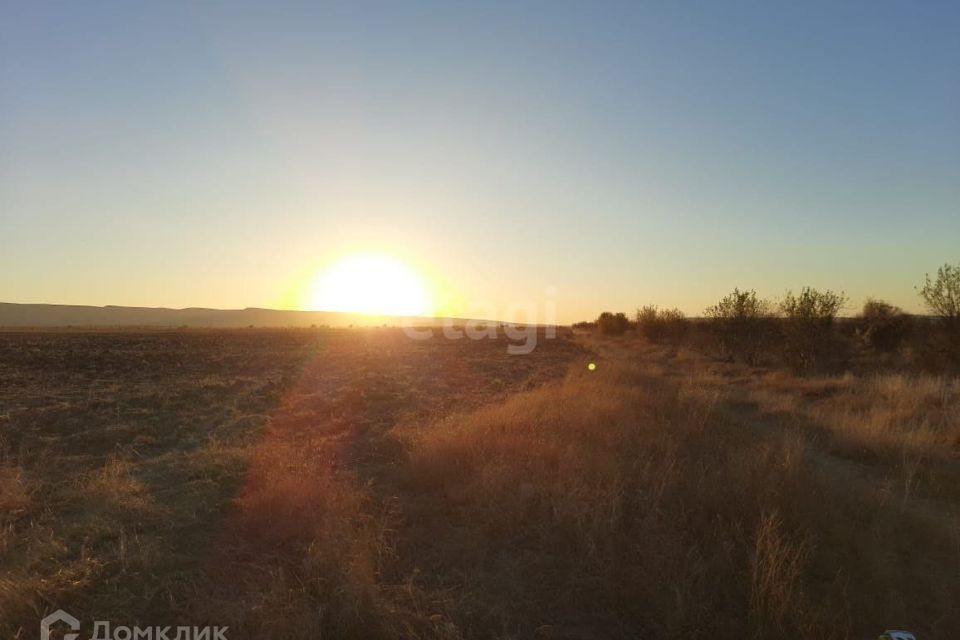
(802, 329)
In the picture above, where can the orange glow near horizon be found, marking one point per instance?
(372, 284)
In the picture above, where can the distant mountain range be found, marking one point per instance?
(64, 315)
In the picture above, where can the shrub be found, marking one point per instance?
(738, 323)
(942, 297)
(661, 325)
(808, 325)
(648, 324)
(883, 326)
(943, 294)
(674, 323)
(613, 324)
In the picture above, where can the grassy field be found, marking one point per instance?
(357, 484)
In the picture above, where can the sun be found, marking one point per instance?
(371, 284)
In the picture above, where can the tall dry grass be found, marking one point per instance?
(617, 504)
(899, 426)
(299, 554)
(15, 501)
(897, 414)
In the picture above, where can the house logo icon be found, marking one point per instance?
(59, 616)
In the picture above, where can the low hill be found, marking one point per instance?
(61, 315)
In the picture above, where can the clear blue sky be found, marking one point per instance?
(215, 153)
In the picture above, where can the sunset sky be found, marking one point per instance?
(225, 154)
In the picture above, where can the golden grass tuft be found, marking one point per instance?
(112, 487)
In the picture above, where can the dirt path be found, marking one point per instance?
(861, 478)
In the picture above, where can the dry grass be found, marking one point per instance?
(359, 485)
(112, 488)
(903, 428)
(615, 503)
(121, 453)
(300, 547)
(111, 485)
(14, 494)
(897, 414)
